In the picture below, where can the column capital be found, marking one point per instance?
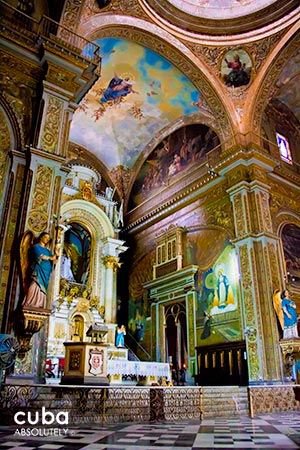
(111, 262)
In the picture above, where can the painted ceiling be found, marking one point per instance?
(288, 85)
(220, 9)
(139, 93)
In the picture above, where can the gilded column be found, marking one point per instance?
(13, 213)
(191, 302)
(260, 275)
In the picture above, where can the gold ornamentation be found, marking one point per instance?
(59, 76)
(5, 145)
(11, 227)
(71, 15)
(247, 282)
(49, 141)
(121, 177)
(38, 216)
(111, 262)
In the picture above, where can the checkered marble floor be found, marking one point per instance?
(272, 431)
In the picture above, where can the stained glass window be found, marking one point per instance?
(284, 148)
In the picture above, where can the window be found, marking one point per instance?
(284, 148)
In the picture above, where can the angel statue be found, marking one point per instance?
(37, 263)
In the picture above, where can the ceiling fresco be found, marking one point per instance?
(288, 85)
(139, 93)
(220, 9)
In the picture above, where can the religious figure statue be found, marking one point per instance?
(65, 267)
(121, 332)
(289, 315)
(37, 263)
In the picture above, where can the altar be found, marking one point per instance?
(144, 372)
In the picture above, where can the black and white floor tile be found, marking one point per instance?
(272, 431)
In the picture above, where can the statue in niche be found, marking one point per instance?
(75, 263)
(65, 267)
(37, 264)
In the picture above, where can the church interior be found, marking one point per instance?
(150, 211)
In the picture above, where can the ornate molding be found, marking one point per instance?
(51, 128)
(246, 256)
(41, 194)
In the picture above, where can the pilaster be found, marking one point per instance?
(14, 205)
(261, 274)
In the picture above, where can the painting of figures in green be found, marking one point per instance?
(218, 315)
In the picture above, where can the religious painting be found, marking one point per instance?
(287, 92)
(96, 362)
(176, 153)
(218, 316)
(75, 260)
(291, 246)
(137, 319)
(236, 68)
(131, 102)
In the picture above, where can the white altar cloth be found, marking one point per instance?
(138, 368)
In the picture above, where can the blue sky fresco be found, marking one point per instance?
(138, 94)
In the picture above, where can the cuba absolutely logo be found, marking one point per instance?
(43, 418)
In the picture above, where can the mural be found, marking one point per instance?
(76, 255)
(139, 93)
(173, 155)
(288, 85)
(218, 300)
(220, 9)
(291, 246)
(236, 68)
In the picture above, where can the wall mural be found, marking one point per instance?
(288, 85)
(218, 316)
(172, 156)
(139, 93)
(138, 306)
(291, 246)
(236, 68)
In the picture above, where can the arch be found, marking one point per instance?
(161, 41)
(89, 215)
(262, 88)
(15, 128)
(285, 218)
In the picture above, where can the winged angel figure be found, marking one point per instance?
(37, 263)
